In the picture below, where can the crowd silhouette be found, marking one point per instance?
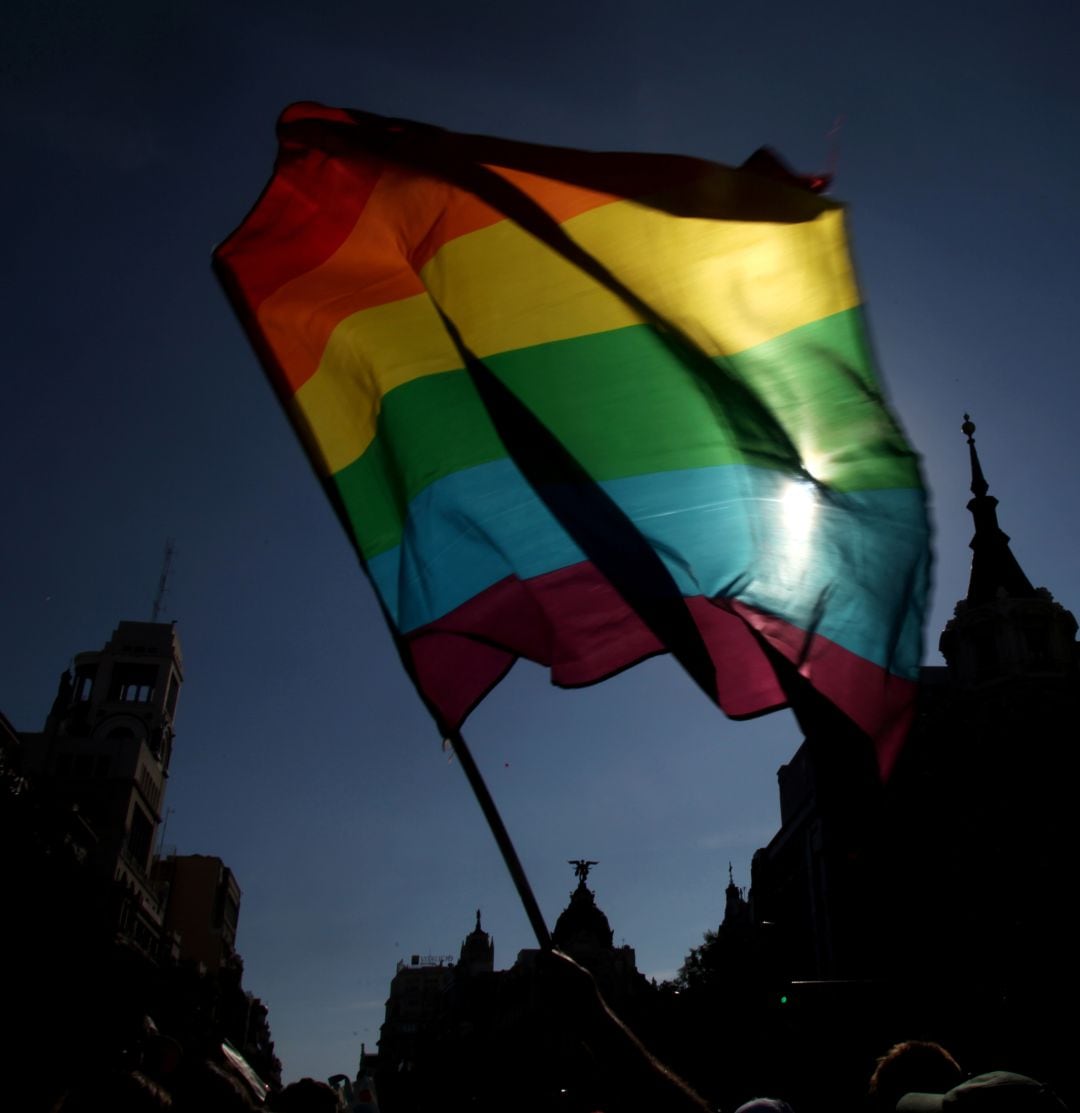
(153, 1074)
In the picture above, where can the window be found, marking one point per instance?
(150, 789)
(173, 692)
(84, 682)
(139, 838)
(133, 683)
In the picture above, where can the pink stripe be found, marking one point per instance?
(575, 623)
(879, 703)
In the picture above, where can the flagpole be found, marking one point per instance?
(502, 839)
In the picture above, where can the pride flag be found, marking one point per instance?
(584, 408)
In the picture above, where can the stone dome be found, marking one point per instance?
(581, 923)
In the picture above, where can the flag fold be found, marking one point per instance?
(584, 408)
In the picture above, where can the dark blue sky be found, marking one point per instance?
(137, 135)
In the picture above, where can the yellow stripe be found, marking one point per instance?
(368, 355)
(730, 285)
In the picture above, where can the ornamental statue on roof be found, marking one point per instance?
(581, 868)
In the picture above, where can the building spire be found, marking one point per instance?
(979, 486)
(994, 569)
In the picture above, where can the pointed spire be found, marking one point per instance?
(994, 569)
(979, 486)
(477, 952)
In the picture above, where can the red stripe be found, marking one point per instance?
(304, 214)
(575, 623)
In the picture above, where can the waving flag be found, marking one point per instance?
(585, 408)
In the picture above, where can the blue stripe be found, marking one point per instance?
(852, 567)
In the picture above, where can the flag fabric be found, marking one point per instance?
(549, 388)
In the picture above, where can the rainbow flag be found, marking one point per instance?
(584, 408)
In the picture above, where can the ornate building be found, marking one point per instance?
(488, 1029)
(582, 931)
(946, 891)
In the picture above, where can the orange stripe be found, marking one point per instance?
(559, 200)
(405, 222)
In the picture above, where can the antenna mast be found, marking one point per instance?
(166, 567)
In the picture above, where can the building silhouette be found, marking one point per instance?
(414, 1011)
(118, 942)
(939, 903)
(975, 822)
(202, 907)
(104, 752)
(477, 954)
(487, 1029)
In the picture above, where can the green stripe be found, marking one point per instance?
(622, 405)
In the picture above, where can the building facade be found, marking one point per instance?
(975, 823)
(939, 904)
(105, 751)
(111, 933)
(472, 1036)
(202, 907)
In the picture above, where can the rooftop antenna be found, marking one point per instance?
(163, 582)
